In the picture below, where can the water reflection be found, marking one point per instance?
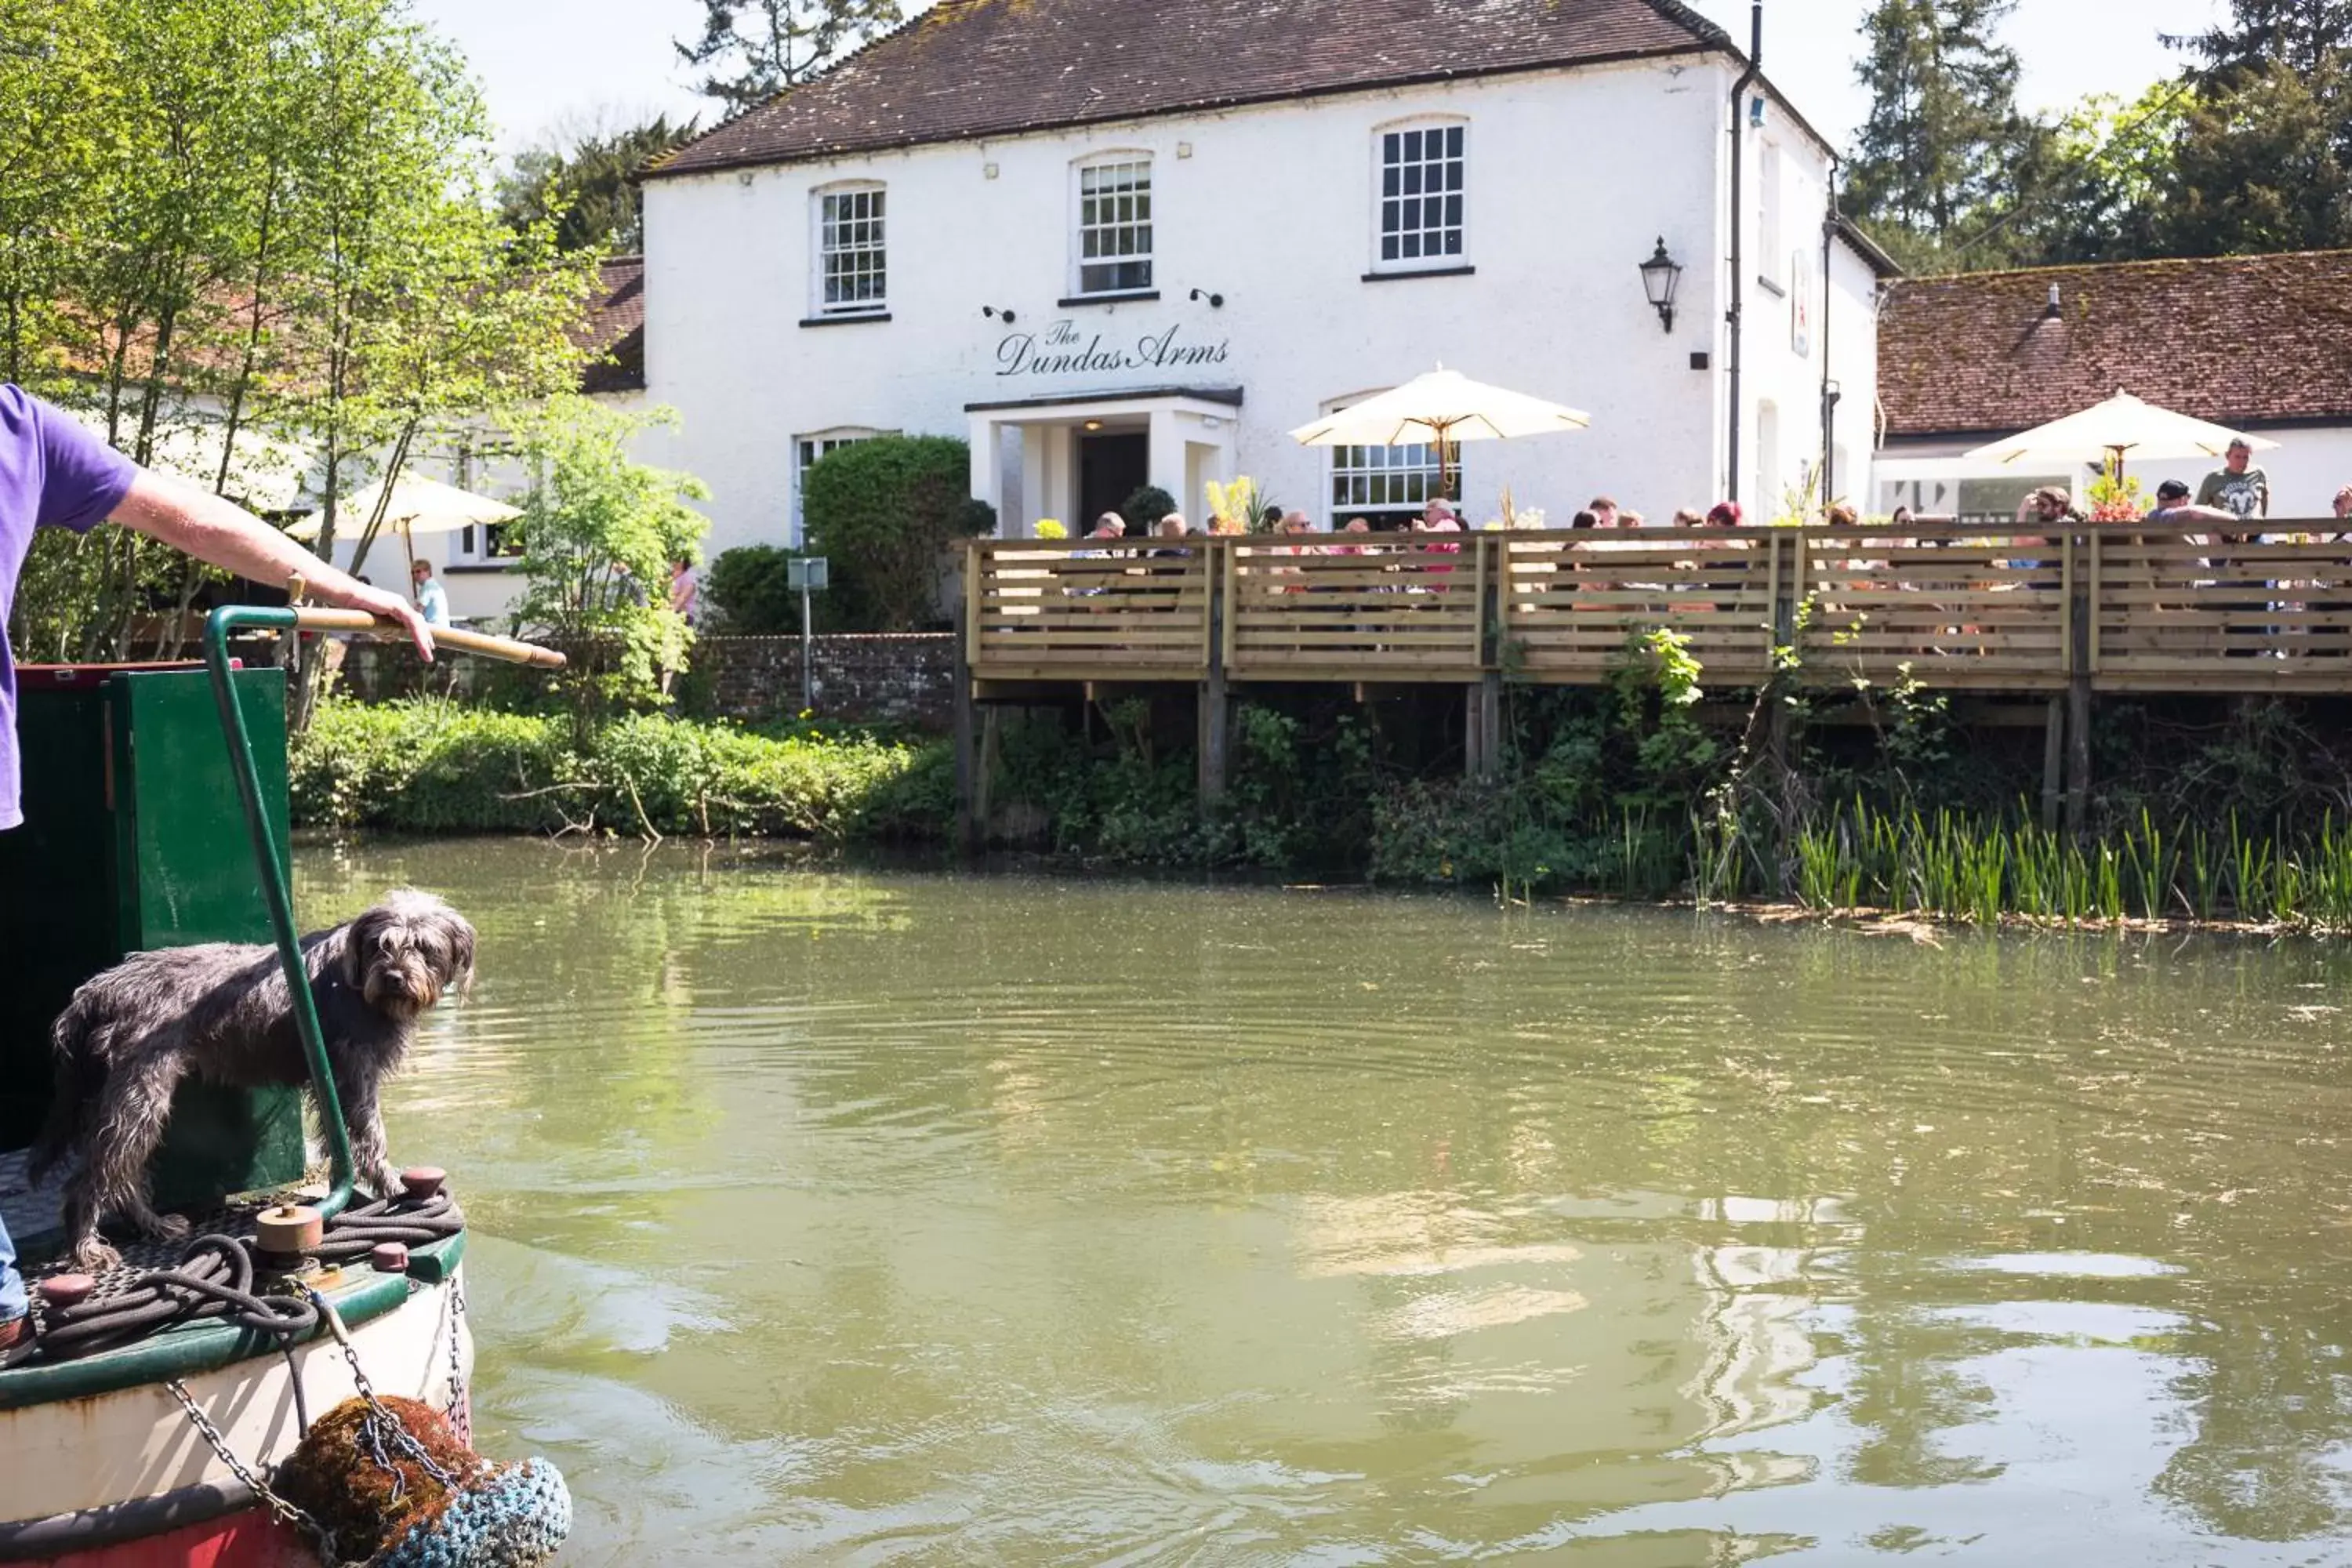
(863, 1216)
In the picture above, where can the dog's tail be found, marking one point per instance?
(81, 1078)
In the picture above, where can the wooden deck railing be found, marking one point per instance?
(2021, 608)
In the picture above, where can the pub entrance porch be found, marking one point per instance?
(1063, 458)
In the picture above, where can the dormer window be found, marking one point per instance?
(852, 270)
(1114, 229)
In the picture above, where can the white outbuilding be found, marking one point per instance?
(1120, 242)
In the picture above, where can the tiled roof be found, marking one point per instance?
(969, 69)
(2236, 340)
(614, 330)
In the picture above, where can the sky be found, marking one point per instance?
(548, 63)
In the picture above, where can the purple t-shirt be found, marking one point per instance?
(53, 474)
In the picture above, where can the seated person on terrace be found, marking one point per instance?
(2173, 507)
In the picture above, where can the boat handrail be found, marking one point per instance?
(268, 854)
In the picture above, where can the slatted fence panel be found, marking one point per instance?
(1962, 609)
(1087, 611)
(2185, 613)
(1388, 607)
(1571, 605)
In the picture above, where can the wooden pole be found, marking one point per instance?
(1213, 739)
(2082, 602)
(2053, 761)
(967, 747)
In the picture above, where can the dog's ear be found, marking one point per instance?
(357, 938)
(461, 954)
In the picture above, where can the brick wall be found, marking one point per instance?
(881, 678)
(896, 678)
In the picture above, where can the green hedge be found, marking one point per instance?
(435, 766)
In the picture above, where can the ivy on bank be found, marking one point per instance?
(434, 766)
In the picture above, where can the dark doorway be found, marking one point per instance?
(1111, 467)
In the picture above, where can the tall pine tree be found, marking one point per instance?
(2302, 34)
(584, 182)
(1944, 128)
(2264, 163)
(751, 50)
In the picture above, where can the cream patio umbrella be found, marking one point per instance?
(418, 505)
(1442, 407)
(2122, 426)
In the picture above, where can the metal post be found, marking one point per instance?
(808, 654)
(274, 890)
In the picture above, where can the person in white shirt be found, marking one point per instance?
(432, 599)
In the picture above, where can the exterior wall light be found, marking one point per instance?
(1004, 316)
(1660, 276)
(1216, 301)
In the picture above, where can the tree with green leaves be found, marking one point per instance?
(599, 530)
(585, 184)
(2264, 165)
(411, 314)
(231, 223)
(2089, 186)
(751, 50)
(1944, 128)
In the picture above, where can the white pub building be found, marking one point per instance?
(1118, 242)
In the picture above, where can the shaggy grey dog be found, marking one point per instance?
(220, 1011)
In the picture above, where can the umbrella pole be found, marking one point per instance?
(408, 548)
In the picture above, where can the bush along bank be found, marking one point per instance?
(429, 765)
(1862, 801)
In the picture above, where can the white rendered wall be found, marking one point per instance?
(1571, 178)
(1786, 316)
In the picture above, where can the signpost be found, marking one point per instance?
(810, 575)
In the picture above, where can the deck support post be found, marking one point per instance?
(2053, 761)
(967, 785)
(2078, 753)
(992, 748)
(2082, 605)
(1482, 729)
(1215, 740)
(1788, 584)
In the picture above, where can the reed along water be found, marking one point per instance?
(862, 1216)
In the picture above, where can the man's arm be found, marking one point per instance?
(227, 536)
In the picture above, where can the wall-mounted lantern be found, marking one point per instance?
(1216, 301)
(1660, 276)
(1004, 316)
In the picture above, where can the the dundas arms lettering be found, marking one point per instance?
(1062, 349)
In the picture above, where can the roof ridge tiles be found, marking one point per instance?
(975, 69)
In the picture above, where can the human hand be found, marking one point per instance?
(389, 606)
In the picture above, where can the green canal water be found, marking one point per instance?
(863, 1216)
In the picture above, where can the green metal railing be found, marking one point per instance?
(270, 855)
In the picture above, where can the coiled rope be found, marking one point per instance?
(213, 1278)
(214, 1275)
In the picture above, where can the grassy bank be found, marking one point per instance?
(2228, 813)
(2231, 816)
(434, 766)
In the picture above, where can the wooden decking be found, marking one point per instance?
(2100, 608)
